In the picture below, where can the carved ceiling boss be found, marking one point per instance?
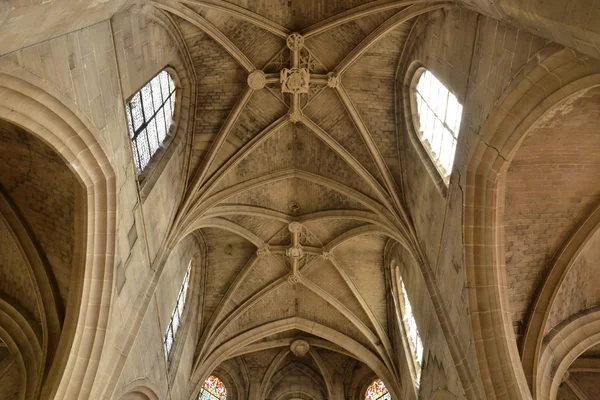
(295, 80)
(298, 77)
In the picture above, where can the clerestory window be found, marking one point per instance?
(213, 389)
(377, 391)
(149, 116)
(410, 326)
(439, 115)
(176, 316)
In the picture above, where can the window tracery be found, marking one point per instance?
(377, 391)
(214, 389)
(149, 117)
(439, 115)
(177, 315)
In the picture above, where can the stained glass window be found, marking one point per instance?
(149, 116)
(214, 389)
(177, 315)
(439, 119)
(410, 325)
(377, 391)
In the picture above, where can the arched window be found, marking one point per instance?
(177, 315)
(377, 391)
(410, 326)
(149, 115)
(214, 389)
(438, 122)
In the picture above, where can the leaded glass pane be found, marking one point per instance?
(377, 391)
(164, 84)
(175, 319)
(439, 115)
(169, 341)
(168, 114)
(147, 102)
(156, 95)
(143, 150)
(160, 125)
(136, 156)
(214, 389)
(129, 122)
(412, 331)
(453, 116)
(180, 307)
(153, 136)
(149, 116)
(136, 111)
(177, 314)
(171, 84)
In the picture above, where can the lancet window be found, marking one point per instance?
(177, 315)
(213, 389)
(149, 116)
(377, 391)
(438, 122)
(412, 331)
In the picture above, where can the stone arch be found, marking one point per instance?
(562, 346)
(46, 114)
(195, 292)
(42, 281)
(226, 378)
(296, 395)
(184, 76)
(547, 80)
(546, 296)
(140, 392)
(234, 387)
(292, 367)
(18, 331)
(227, 349)
(361, 386)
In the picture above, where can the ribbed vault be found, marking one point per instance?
(293, 179)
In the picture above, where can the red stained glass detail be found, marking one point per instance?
(377, 391)
(214, 389)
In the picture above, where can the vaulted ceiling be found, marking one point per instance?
(294, 177)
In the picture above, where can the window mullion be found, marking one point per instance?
(142, 132)
(136, 155)
(155, 112)
(435, 131)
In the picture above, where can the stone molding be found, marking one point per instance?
(52, 117)
(562, 346)
(519, 108)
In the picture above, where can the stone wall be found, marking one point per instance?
(475, 57)
(572, 23)
(93, 71)
(146, 361)
(438, 370)
(24, 23)
(95, 67)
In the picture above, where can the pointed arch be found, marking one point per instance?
(225, 350)
(46, 292)
(196, 19)
(34, 106)
(535, 91)
(563, 345)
